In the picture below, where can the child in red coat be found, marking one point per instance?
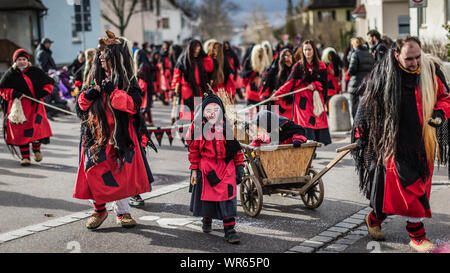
(217, 167)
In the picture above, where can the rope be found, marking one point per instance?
(269, 99)
(50, 106)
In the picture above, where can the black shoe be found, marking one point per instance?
(136, 201)
(207, 226)
(232, 237)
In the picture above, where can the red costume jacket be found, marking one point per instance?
(303, 101)
(187, 95)
(412, 201)
(35, 83)
(209, 153)
(334, 85)
(105, 181)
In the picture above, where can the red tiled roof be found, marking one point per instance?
(360, 9)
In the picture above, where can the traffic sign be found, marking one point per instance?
(418, 3)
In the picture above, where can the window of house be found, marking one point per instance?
(147, 5)
(348, 15)
(326, 16)
(165, 23)
(422, 16)
(75, 34)
(403, 25)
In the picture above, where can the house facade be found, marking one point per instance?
(427, 23)
(156, 21)
(20, 27)
(389, 17)
(63, 25)
(328, 21)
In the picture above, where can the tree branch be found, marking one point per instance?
(131, 12)
(104, 16)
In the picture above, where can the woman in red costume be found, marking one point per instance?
(221, 77)
(23, 79)
(113, 166)
(190, 78)
(309, 73)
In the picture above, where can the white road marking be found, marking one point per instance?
(57, 222)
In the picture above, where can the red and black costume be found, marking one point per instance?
(252, 81)
(165, 67)
(115, 172)
(233, 62)
(401, 183)
(276, 76)
(217, 160)
(146, 76)
(227, 84)
(302, 75)
(190, 75)
(112, 162)
(35, 83)
(334, 85)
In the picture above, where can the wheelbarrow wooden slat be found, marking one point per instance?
(287, 162)
(285, 180)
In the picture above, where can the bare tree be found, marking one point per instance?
(290, 23)
(122, 10)
(258, 27)
(214, 19)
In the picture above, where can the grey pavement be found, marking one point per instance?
(39, 213)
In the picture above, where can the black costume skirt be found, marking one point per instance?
(319, 135)
(211, 209)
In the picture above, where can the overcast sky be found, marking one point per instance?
(275, 10)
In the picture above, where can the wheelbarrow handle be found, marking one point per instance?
(348, 147)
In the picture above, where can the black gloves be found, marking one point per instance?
(108, 87)
(92, 94)
(437, 119)
(16, 94)
(239, 174)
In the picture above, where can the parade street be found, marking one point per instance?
(39, 213)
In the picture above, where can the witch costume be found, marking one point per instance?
(112, 164)
(32, 82)
(216, 155)
(397, 179)
(302, 75)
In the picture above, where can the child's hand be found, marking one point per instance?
(193, 177)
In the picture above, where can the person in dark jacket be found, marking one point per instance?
(361, 63)
(377, 47)
(44, 56)
(76, 69)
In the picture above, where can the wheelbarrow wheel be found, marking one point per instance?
(313, 197)
(251, 195)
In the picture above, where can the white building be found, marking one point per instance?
(59, 26)
(389, 17)
(156, 21)
(427, 22)
(174, 24)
